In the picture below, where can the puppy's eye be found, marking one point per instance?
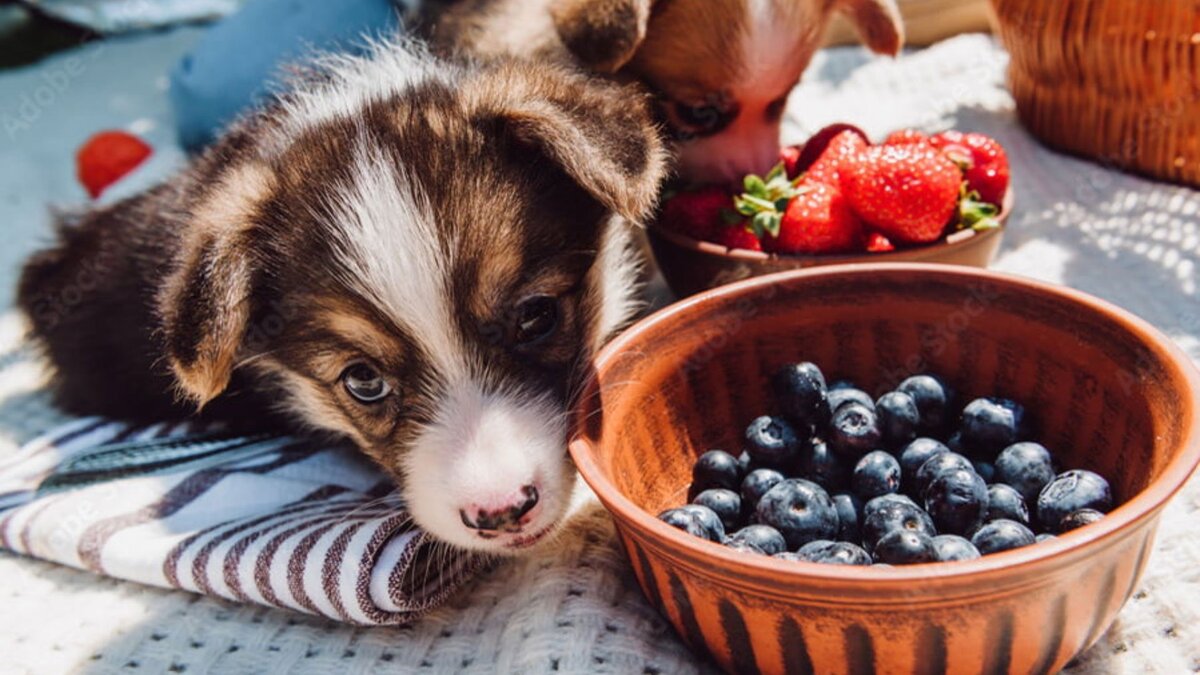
(706, 118)
(536, 319)
(365, 384)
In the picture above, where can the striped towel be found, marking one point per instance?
(271, 520)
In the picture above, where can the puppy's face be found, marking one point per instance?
(722, 69)
(427, 272)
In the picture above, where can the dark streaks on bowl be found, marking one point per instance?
(999, 652)
(739, 637)
(860, 650)
(794, 648)
(1054, 627)
(931, 650)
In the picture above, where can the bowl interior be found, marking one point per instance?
(1104, 393)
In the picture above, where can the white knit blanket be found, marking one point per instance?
(576, 607)
(276, 521)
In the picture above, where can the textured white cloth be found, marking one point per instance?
(276, 521)
(576, 608)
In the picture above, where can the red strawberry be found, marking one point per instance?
(817, 220)
(106, 157)
(983, 161)
(907, 192)
(842, 150)
(737, 236)
(819, 143)
(877, 243)
(696, 214)
(790, 156)
(906, 137)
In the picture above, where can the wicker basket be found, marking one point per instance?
(1114, 80)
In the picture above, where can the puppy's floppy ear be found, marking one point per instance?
(600, 134)
(878, 22)
(602, 34)
(205, 303)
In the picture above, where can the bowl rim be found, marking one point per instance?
(923, 251)
(1063, 549)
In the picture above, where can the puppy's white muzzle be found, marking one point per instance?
(490, 473)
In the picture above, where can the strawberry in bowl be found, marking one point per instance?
(839, 199)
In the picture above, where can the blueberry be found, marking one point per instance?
(898, 418)
(696, 520)
(840, 397)
(743, 547)
(951, 547)
(834, 553)
(936, 465)
(1005, 502)
(745, 463)
(772, 440)
(791, 556)
(727, 504)
(1070, 492)
(991, 424)
(986, 470)
(933, 399)
(823, 467)
(854, 430)
(954, 442)
(877, 473)
(850, 511)
(764, 537)
(905, 547)
(756, 484)
(883, 500)
(956, 500)
(1045, 536)
(1077, 519)
(800, 391)
(914, 455)
(1001, 535)
(1027, 467)
(893, 513)
(801, 510)
(841, 384)
(715, 469)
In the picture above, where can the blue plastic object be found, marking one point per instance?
(235, 64)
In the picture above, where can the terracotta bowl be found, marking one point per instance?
(691, 266)
(1110, 394)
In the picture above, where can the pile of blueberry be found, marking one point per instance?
(840, 478)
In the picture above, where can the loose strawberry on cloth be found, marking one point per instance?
(106, 158)
(269, 520)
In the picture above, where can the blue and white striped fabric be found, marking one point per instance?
(270, 520)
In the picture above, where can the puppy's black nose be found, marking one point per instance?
(506, 518)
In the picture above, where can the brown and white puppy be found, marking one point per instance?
(417, 256)
(721, 69)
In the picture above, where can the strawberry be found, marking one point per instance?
(737, 236)
(842, 150)
(801, 216)
(982, 159)
(819, 143)
(877, 243)
(790, 156)
(696, 214)
(907, 192)
(106, 158)
(906, 137)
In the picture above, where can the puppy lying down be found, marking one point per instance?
(415, 255)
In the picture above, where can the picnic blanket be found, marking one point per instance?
(271, 520)
(575, 607)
